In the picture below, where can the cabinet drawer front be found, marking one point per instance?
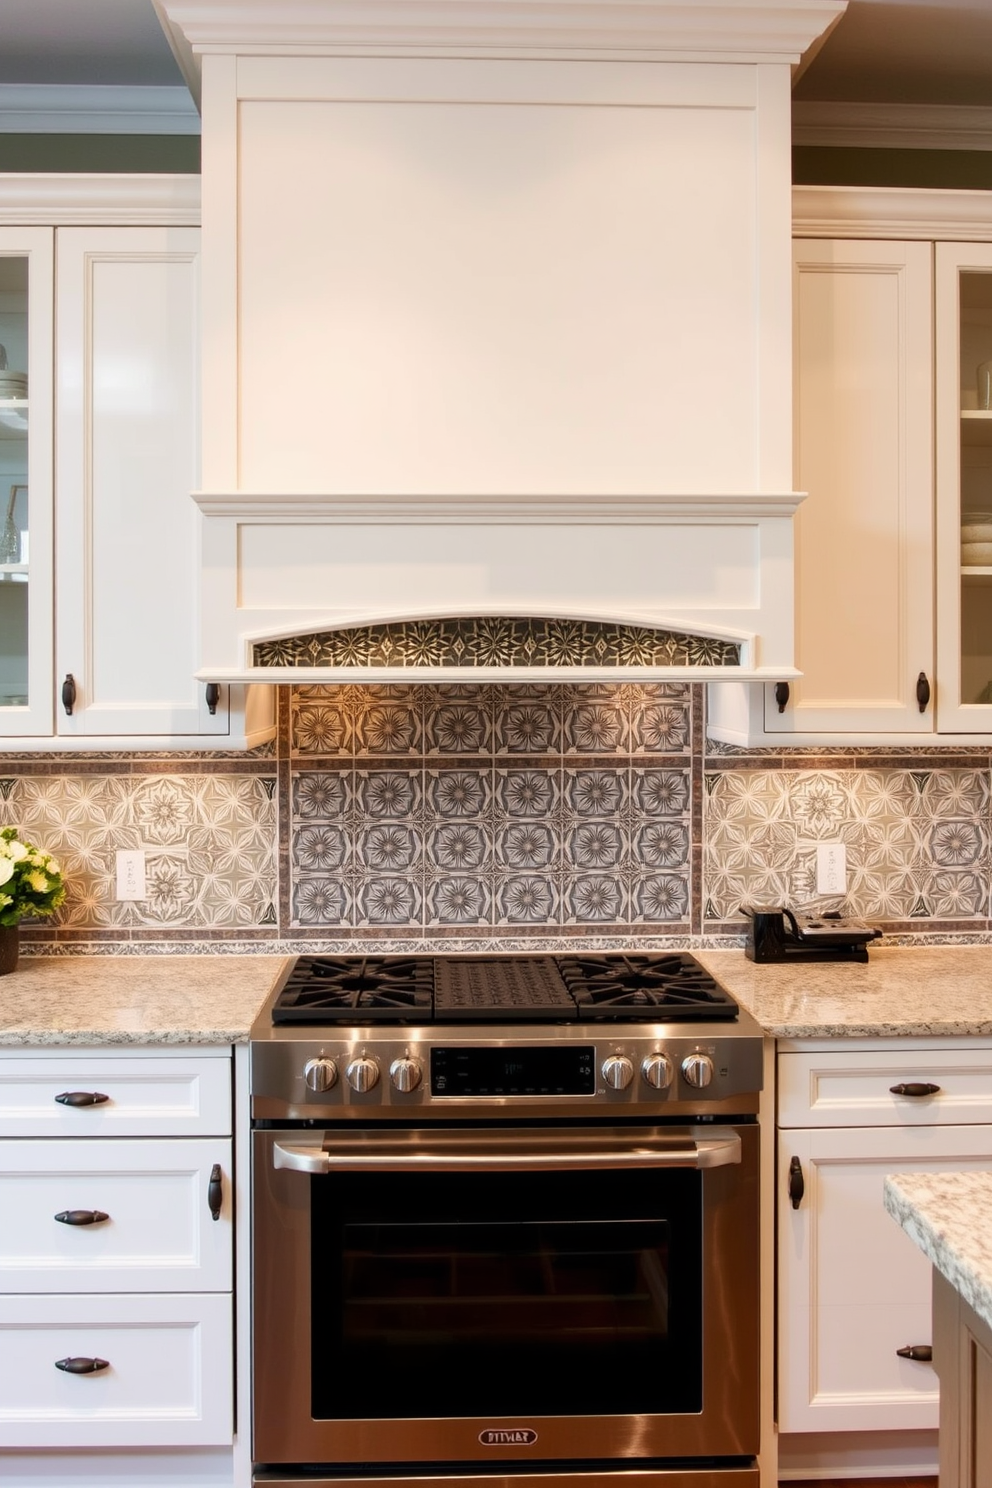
(145, 1097)
(841, 1089)
(168, 1380)
(158, 1235)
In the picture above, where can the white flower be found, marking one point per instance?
(6, 870)
(16, 850)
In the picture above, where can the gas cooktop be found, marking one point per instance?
(609, 987)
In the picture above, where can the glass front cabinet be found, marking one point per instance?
(964, 486)
(26, 445)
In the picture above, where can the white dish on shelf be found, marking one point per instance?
(976, 554)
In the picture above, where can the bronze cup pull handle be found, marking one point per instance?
(797, 1183)
(215, 1192)
(81, 1365)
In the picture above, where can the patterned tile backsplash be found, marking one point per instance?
(414, 816)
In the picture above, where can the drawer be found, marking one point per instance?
(158, 1234)
(168, 1380)
(154, 1096)
(839, 1089)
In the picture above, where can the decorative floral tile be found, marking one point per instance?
(594, 898)
(209, 844)
(457, 793)
(527, 793)
(918, 842)
(458, 899)
(527, 899)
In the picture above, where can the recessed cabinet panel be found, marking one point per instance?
(944, 1087)
(106, 1097)
(864, 452)
(115, 1217)
(157, 1384)
(127, 365)
(460, 276)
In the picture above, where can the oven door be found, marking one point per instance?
(511, 1294)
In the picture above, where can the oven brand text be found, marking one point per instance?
(519, 1437)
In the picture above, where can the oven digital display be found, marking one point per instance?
(565, 1070)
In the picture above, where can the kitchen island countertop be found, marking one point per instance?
(64, 1001)
(901, 991)
(949, 1216)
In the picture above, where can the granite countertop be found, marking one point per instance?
(60, 1001)
(949, 1216)
(901, 991)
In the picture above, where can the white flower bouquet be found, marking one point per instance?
(31, 881)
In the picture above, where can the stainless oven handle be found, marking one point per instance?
(700, 1152)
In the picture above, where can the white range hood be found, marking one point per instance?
(497, 308)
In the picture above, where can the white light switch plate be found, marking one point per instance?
(831, 868)
(131, 874)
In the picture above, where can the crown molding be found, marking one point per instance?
(704, 30)
(27, 108)
(885, 126)
(111, 200)
(891, 212)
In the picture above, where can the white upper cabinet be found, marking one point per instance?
(99, 456)
(892, 319)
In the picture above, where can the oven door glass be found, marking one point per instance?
(502, 1294)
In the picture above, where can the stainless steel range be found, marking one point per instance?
(505, 1222)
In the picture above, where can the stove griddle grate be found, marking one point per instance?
(500, 989)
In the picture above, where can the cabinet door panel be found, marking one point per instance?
(26, 570)
(863, 451)
(853, 1289)
(127, 458)
(157, 1233)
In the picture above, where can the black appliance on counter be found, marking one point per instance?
(777, 935)
(505, 1224)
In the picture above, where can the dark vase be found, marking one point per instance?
(9, 947)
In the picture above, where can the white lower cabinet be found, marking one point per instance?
(853, 1290)
(116, 1291)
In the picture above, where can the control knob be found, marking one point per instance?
(657, 1071)
(320, 1074)
(697, 1070)
(618, 1071)
(362, 1073)
(406, 1074)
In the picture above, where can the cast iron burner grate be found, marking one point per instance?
(340, 989)
(661, 986)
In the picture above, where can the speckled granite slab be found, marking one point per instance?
(938, 991)
(949, 1216)
(109, 1000)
